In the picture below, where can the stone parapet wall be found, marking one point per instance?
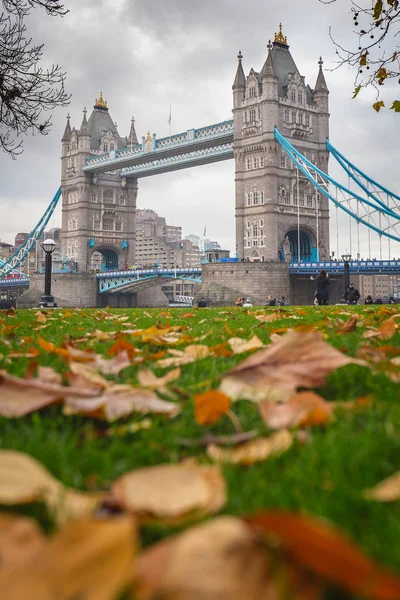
(72, 290)
(222, 283)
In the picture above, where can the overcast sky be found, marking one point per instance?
(146, 55)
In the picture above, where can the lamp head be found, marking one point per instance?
(346, 257)
(49, 246)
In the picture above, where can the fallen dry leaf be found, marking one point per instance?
(210, 406)
(147, 378)
(40, 317)
(24, 480)
(297, 359)
(302, 410)
(18, 397)
(323, 550)
(350, 325)
(115, 365)
(20, 539)
(267, 318)
(387, 490)
(387, 329)
(189, 355)
(170, 493)
(253, 451)
(239, 345)
(120, 401)
(218, 560)
(88, 559)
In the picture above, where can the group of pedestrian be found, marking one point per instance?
(243, 302)
(351, 295)
(274, 302)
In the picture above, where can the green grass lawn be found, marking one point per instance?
(324, 476)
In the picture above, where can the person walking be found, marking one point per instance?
(322, 293)
(352, 295)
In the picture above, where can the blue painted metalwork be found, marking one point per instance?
(304, 164)
(370, 267)
(14, 281)
(181, 161)
(336, 154)
(30, 242)
(181, 143)
(114, 281)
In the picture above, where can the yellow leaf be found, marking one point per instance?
(40, 317)
(189, 355)
(253, 451)
(171, 492)
(387, 490)
(88, 559)
(378, 105)
(210, 406)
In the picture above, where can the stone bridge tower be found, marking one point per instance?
(98, 212)
(268, 197)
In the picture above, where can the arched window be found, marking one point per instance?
(105, 147)
(293, 96)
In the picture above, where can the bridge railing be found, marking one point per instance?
(359, 265)
(155, 271)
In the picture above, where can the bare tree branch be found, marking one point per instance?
(376, 60)
(27, 90)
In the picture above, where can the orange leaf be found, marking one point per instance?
(302, 409)
(47, 346)
(324, 550)
(210, 406)
(122, 344)
(350, 325)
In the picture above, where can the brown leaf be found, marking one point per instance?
(147, 378)
(122, 345)
(267, 318)
(387, 490)
(350, 325)
(40, 317)
(19, 397)
(20, 539)
(170, 493)
(303, 409)
(210, 406)
(23, 480)
(117, 402)
(218, 560)
(323, 550)
(387, 329)
(253, 451)
(239, 345)
(87, 376)
(189, 355)
(294, 360)
(87, 559)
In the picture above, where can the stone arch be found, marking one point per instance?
(109, 260)
(307, 243)
(255, 256)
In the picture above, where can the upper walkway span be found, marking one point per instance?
(188, 149)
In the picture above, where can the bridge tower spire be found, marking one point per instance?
(269, 197)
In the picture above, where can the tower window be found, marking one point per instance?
(108, 224)
(298, 116)
(286, 114)
(252, 114)
(105, 147)
(261, 161)
(307, 121)
(300, 97)
(283, 161)
(293, 96)
(309, 201)
(262, 196)
(248, 163)
(252, 91)
(259, 114)
(112, 146)
(261, 222)
(93, 196)
(108, 196)
(255, 162)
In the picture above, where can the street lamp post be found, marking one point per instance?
(47, 300)
(346, 259)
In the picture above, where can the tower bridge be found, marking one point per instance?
(278, 138)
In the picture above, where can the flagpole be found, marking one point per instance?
(169, 120)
